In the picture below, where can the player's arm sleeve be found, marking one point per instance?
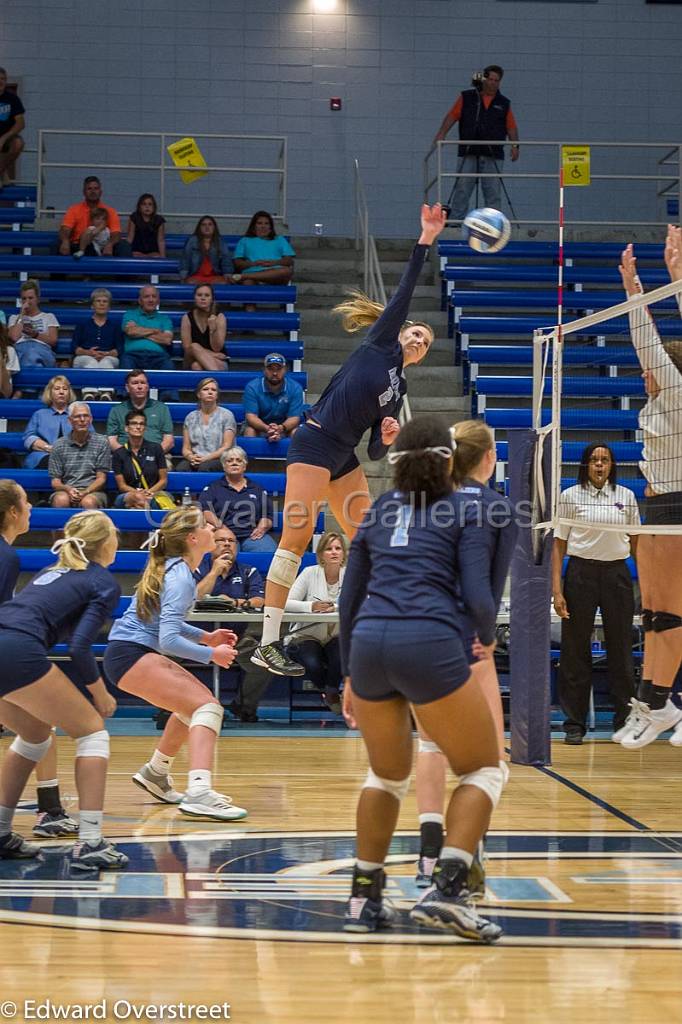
(376, 449)
(505, 542)
(175, 635)
(384, 332)
(298, 600)
(353, 593)
(649, 348)
(99, 610)
(475, 555)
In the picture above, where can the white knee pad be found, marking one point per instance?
(504, 768)
(283, 567)
(31, 751)
(490, 780)
(94, 745)
(428, 747)
(396, 789)
(210, 716)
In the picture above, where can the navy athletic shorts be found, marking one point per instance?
(315, 447)
(664, 509)
(391, 658)
(119, 658)
(25, 659)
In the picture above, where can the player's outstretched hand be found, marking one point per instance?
(628, 271)
(433, 220)
(673, 252)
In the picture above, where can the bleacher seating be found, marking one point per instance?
(128, 518)
(39, 480)
(255, 447)
(187, 380)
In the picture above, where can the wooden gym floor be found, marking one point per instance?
(584, 875)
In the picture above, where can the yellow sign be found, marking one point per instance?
(185, 153)
(575, 161)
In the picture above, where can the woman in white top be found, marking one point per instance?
(33, 332)
(597, 577)
(207, 432)
(316, 645)
(659, 555)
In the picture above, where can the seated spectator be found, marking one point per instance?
(203, 330)
(159, 429)
(96, 236)
(12, 123)
(49, 424)
(96, 344)
(148, 334)
(33, 332)
(240, 503)
(273, 403)
(146, 229)
(220, 575)
(207, 432)
(9, 362)
(316, 647)
(139, 466)
(206, 258)
(79, 463)
(262, 256)
(76, 220)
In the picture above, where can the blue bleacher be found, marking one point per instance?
(550, 250)
(573, 355)
(625, 420)
(16, 215)
(29, 239)
(39, 480)
(23, 408)
(18, 193)
(255, 447)
(524, 273)
(33, 559)
(594, 387)
(228, 380)
(129, 518)
(527, 324)
(571, 451)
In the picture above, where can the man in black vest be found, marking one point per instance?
(483, 113)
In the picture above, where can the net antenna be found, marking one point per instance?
(639, 323)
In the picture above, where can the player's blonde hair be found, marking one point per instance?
(473, 439)
(11, 494)
(359, 311)
(84, 535)
(169, 541)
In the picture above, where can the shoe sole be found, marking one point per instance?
(20, 856)
(257, 660)
(67, 834)
(153, 790)
(423, 918)
(206, 813)
(78, 865)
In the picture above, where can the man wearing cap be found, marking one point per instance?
(273, 403)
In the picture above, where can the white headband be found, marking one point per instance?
(77, 542)
(440, 449)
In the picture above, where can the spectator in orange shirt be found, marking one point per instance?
(483, 113)
(77, 219)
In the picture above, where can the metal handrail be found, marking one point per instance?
(372, 278)
(441, 179)
(164, 166)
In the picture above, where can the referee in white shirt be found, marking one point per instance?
(597, 576)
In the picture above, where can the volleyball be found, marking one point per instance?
(486, 230)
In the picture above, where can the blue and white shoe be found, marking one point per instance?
(100, 856)
(448, 905)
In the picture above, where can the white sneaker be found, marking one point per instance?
(631, 723)
(160, 786)
(210, 804)
(676, 738)
(651, 724)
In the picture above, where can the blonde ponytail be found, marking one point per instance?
(84, 535)
(358, 311)
(169, 541)
(473, 438)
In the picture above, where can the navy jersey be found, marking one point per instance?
(9, 570)
(66, 606)
(437, 563)
(371, 383)
(493, 512)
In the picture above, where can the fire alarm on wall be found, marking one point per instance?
(335, 103)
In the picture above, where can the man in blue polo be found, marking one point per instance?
(148, 334)
(273, 403)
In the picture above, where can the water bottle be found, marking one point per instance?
(186, 497)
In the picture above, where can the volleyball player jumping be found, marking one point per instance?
(70, 601)
(154, 626)
(419, 554)
(366, 393)
(659, 556)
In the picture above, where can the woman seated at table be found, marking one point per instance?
(316, 646)
(207, 432)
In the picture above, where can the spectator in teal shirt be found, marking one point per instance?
(148, 334)
(273, 404)
(262, 256)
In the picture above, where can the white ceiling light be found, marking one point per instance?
(324, 6)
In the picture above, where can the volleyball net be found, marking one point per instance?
(607, 401)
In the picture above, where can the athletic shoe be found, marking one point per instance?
(55, 826)
(105, 396)
(274, 658)
(13, 847)
(160, 786)
(92, 857)
(676, 738)
(447, 905)
(210, 804)
(631, 723)
(366, 915)
(90, 394)
(651, 724)
(425, 866)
